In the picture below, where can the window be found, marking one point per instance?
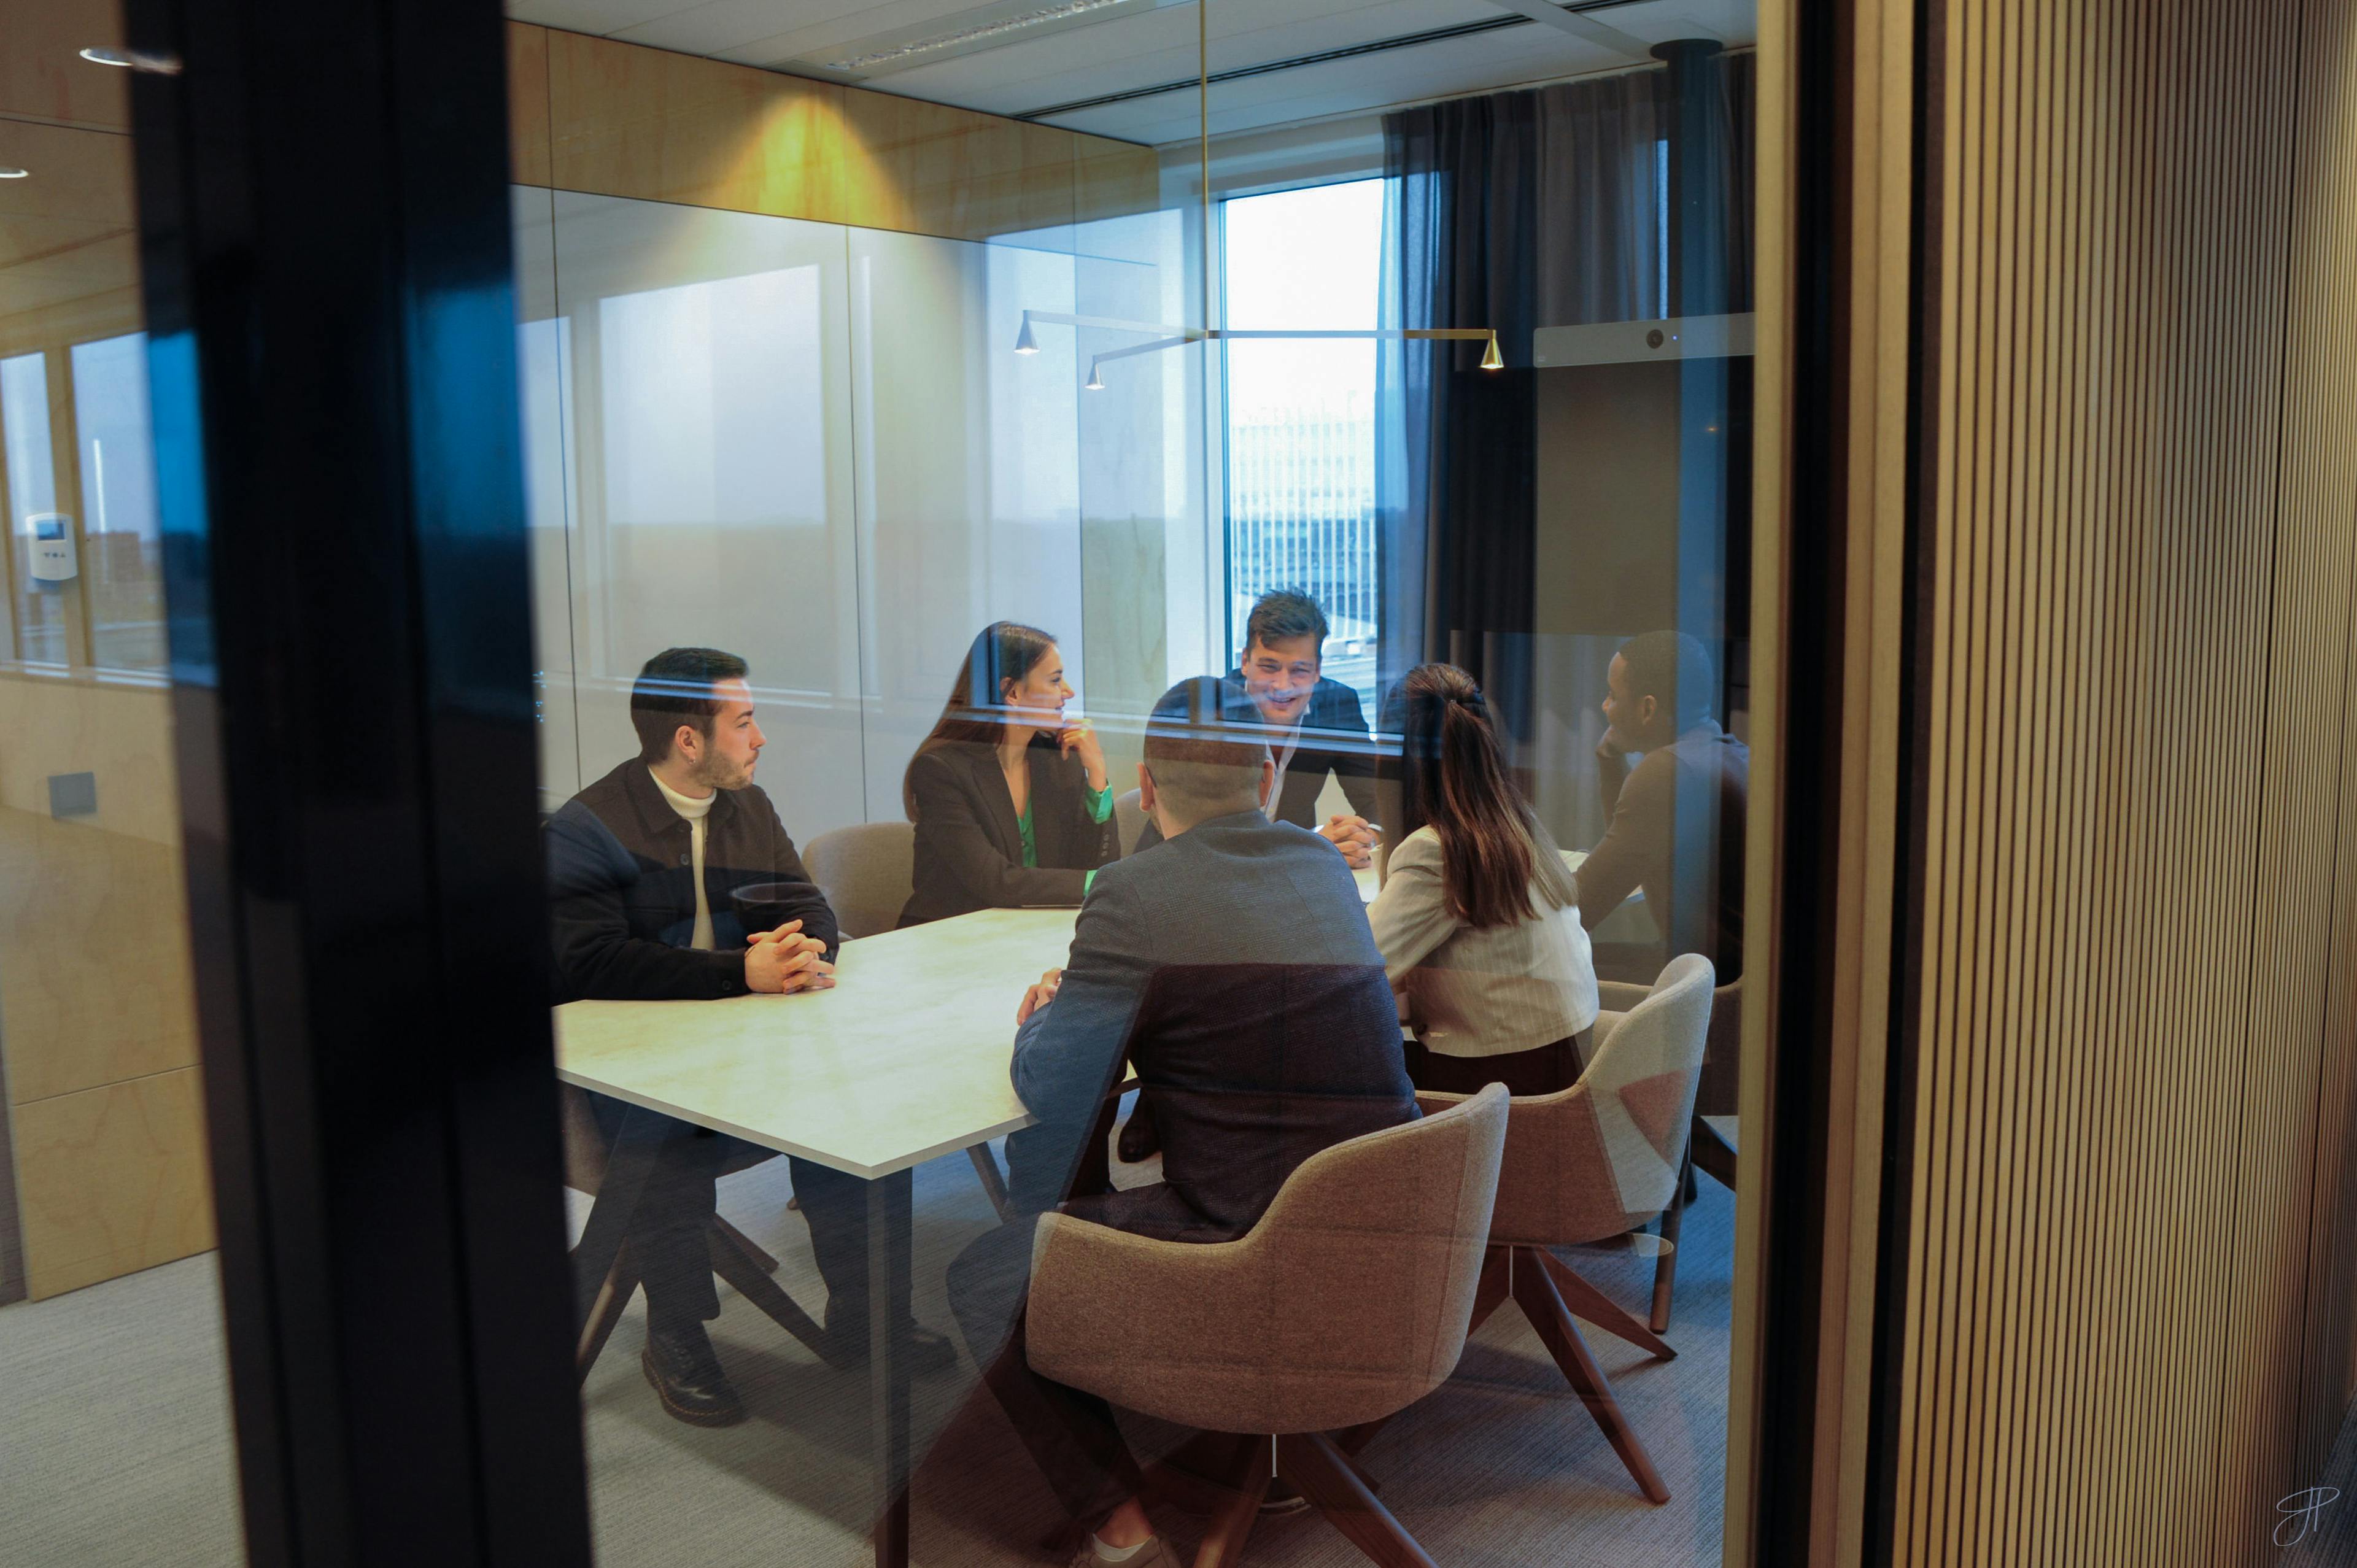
(32, 506)
(1301, 413)
(123, 563)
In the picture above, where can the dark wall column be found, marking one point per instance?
(324, 213)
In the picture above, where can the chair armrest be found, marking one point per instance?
(1620, 996)
(1133, 1319)
(1432, 1101)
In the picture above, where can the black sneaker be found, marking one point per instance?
(686, 1375)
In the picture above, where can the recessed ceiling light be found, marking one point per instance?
(132, 59)
(972, 28)
(979, 32)
(14, 173)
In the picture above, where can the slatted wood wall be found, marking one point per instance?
(2129, 1299)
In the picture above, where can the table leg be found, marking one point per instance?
(628, 1164)
(890, 1237)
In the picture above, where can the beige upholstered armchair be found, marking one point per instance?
(1348, 1302)
(1589, 1164)
(1129, 819)
(1712, 1146)
(865, 871)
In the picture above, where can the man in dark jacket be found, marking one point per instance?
(1673, 824)
(1254, 1064)
(645, 869)
(1314, 726)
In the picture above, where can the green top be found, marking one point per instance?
(1100, 807)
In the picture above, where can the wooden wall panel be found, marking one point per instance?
(43, 75)
(95, 978)
(113, 1179)
(96, 984)
(646, 123)
(68, 240)
(931, 169)
(624, 120)
(528, 157)
(1112, 179)
(2135, 1051)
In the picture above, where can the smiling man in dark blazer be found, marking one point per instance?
(1314, 726)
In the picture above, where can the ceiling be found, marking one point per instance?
(1013, 60)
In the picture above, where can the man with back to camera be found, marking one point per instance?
(1277, 683)
(642, 866)
(1675, 824)
(1254, 1064)
(1317, 726)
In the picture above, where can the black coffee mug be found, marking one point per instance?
(766, 906)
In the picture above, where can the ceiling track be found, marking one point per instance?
(1322, 57)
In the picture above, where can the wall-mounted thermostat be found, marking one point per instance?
(53, 547)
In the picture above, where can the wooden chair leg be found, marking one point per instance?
(1586, 1301)
(750, 1248)
(1327, 1478)
(1354, 1440)
(1534, 1292)
(1489, 1290)
(1710, 1151)
(622, 1283)
(1665, 1268)
(745, 1277)
(994, 1185)
(1239, 1510)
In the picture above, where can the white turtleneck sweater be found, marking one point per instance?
(695, 812)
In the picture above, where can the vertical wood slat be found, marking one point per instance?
(2128, 1330)
(2321, 350)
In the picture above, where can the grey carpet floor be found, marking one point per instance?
(115, 1431)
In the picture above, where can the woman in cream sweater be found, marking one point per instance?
(1479, 917)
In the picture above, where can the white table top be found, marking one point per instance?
(903, 1061)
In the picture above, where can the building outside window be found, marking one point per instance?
(1301, 413)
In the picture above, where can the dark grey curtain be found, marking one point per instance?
(1514, 210)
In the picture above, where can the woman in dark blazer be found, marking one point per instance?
(1011, 800)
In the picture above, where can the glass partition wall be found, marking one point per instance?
(810, 443)
(115, 1438)
(812, 446)
(839, 449)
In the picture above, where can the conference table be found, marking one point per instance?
(903, 1061)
